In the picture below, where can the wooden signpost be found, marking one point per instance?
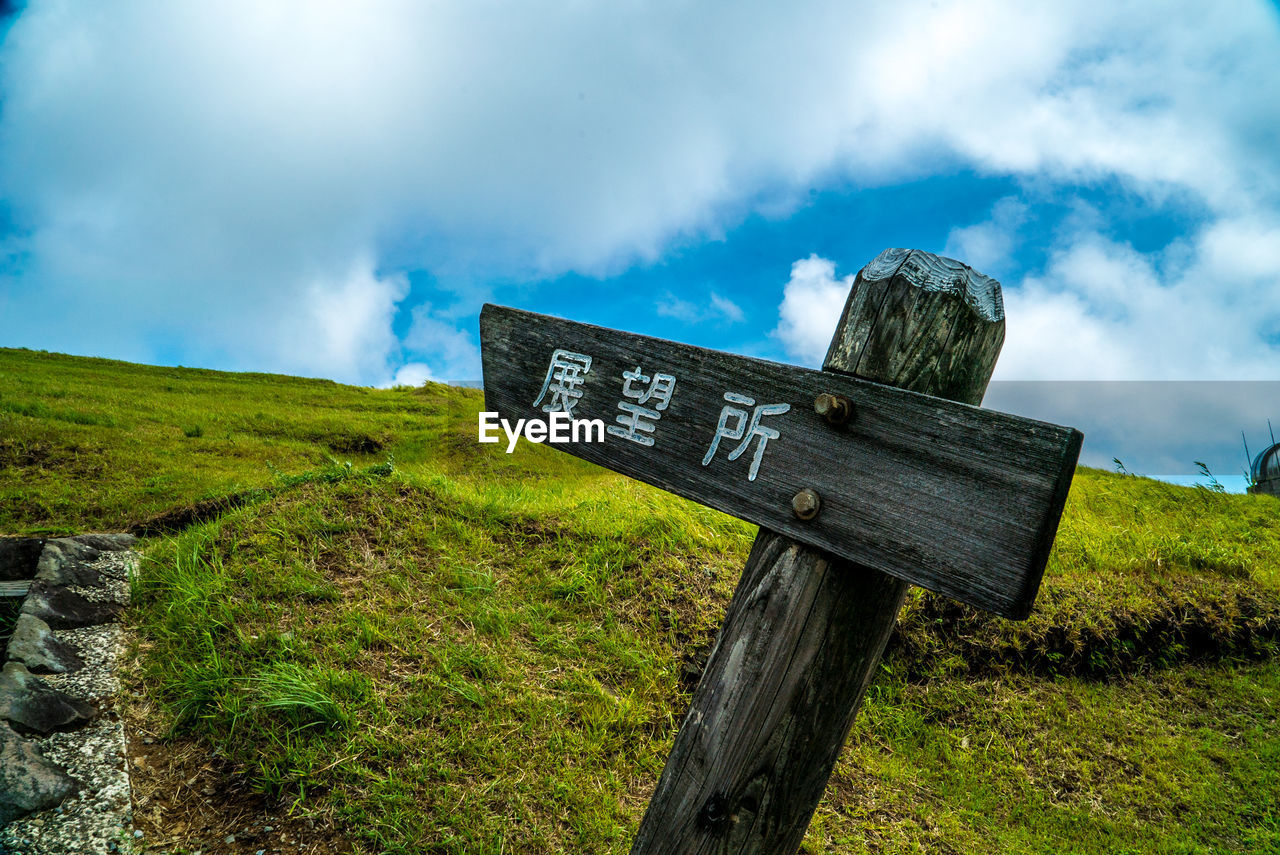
(875, 473)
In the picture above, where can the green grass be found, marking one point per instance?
(94, 443)
(468, 651)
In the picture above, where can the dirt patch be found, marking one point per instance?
(187, 798)
(353, 443)
(523, 531)
(81, 461)
(14, 454)
(1069, 635)
(178, 519)
(693, 662)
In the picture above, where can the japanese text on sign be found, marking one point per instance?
(645, 397)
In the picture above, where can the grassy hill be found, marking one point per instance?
(422, 644)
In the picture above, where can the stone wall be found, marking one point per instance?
(56, 678)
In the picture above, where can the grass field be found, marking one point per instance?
(433, 646)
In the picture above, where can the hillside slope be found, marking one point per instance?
(429, 645)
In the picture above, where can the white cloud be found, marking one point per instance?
(451, 353)
(1205, 308)
(812, 303)
(989, 245)
(412, 374)
(344, 327)
(1155, 428)
(726, 308)
(717, 309)
(1103, 311)
(214, 173)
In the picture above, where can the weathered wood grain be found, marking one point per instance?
(951, 497)
(802, 639)
(805, 632)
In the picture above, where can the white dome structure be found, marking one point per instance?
(1265, 472)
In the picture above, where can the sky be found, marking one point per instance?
(335, 189)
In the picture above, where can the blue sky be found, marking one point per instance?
(335, 189)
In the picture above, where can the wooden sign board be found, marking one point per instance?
(954, 498)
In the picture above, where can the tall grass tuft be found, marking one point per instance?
(299, 695)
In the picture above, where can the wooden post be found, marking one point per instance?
(805, 631)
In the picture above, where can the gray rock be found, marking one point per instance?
(34, 645)
(64, 609)
(18, 557)
(64, 562)
(30, 702)
(74, 549)
(28, 782)
(113, 542)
